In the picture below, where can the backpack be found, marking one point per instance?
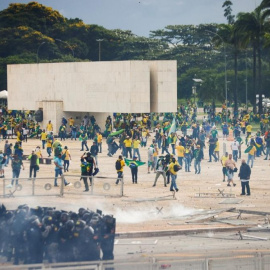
(64, 156)
(176, 168)
(118, 165)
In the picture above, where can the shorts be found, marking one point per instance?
(9, 132)
(224, 170)
(150, 163)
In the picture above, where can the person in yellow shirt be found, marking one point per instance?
(99, 142)
(180, 153)
(119, 166)
(43, 137)
(173, 168)
(49, 146)
(136, 144)
(49, 127)
(248, 129)
(71, 122)
(127, 143)
(251, 155)
(223, 161)
(66, 157)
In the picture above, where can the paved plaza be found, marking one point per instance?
(143, 208)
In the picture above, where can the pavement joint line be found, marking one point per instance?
(146, 234)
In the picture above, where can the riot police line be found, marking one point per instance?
(44, 234)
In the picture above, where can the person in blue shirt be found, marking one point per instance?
(58, 162)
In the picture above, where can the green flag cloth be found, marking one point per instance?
(173, 127)
(248, 149)
(33, 135)
(138, 163)
(116, 133)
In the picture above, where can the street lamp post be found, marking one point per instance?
(39, 48)
(99, 48)
(67, 44)
(225, 64)
(246, 83)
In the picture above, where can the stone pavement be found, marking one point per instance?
(143, 208)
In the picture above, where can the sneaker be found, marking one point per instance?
(68, 184)
(176, 189)
(56, 186)
(234, 185)
(9, 186)
(165, 185)
(228, 185)
(86, 190)
(154, 185)
(242, 194)
(171, 189)
(248, 195)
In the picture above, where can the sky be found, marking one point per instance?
(142, 16)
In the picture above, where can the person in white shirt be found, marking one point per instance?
(235, 148)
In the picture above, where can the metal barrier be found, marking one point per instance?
(256, 261)
(101, 186)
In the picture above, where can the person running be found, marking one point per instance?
(58, 162)
(119, 166)
(198, 155)
(66, 157)
(16, 165)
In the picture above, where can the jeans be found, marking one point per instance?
(62, 135)
(57, 173)
(96, 159)
(84, 143)
(180, 161)
(173, 148)
(128, 150)
(119, 177)
(49, 151)
(187, 161)
(173, 182)
(250, 158)
(15, 175)
(7, 160)
(197, 166)
(100, 147)
(235, 155)
(165, 149)
(33, 168)
(43, 144)
(159, 143)
(267, 152)
(66, 165)
(137, 151)
(245, 185)
(134, 173)
(73, 135)
(211, 154)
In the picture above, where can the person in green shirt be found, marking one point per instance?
(214, 132)
(83, 138)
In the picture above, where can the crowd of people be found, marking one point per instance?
(173, 141)
(35, 235)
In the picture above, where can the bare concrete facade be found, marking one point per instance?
(98, 88)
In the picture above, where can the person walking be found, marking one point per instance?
(230, 168)
(58, 162)
(128, 142)
(99, 141)
(119, 166)
(212, 146)
(134, 170)
(244, 175)
(223, 161)
(235, 149)
(173, 168)
(43, 138)
(180, 153)
(251, 155)
(198, 156)
(83, 138)
(136, 151)
(33, 164)
(16, 165)
(160, 169)
(66, 157)
(94, 152)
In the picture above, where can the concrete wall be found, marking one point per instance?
(100, 88)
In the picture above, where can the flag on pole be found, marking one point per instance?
(172, 128)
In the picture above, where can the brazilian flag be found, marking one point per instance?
(138, 163)
(249, 148)
(258, 146)
(116, 133)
